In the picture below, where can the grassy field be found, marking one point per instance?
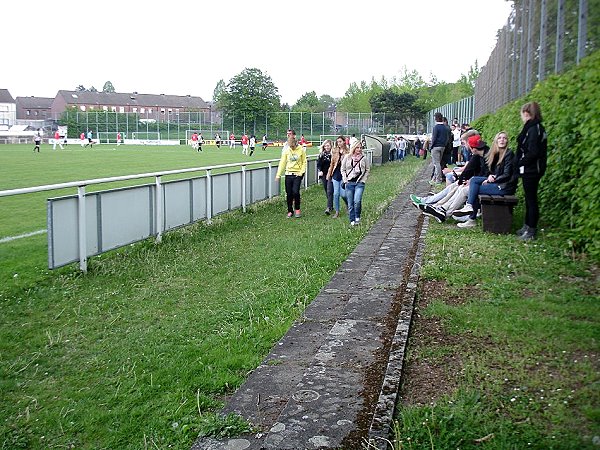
(505, 350)
(141, 351)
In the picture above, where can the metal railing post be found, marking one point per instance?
(159, 210)
(208, 196)
(81, 225)
(269, 176)
(244, 188)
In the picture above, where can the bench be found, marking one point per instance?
(497, 212)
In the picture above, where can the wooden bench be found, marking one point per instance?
(497, 212)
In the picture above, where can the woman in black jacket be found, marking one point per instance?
(323, 163)
(532, 153)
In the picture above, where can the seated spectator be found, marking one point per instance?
(443, 204)
(502, 178)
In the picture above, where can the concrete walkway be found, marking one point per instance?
(332, 381)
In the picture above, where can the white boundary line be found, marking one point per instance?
(14, 238)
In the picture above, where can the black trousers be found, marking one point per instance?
(532, 211)
(328, 188)
(292, 191)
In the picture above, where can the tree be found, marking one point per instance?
(80, 88)
(108, 87)
(249, 96)
(93, 89)
(220, 90)
(308, 102)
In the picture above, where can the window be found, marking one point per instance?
(162, 110)
(27, 112)
(105, 108)
(121, 109)
(142, 110)
(35, 113)
(134, 109)
(113, 108)
(82, 107)
(149, 110)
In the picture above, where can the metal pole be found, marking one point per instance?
(159, 210)
(81, 225)
(582, 30)
(529, 63)
(244, 188)
(269, 176)
(208, 197)
(542, 61)
(560, 32)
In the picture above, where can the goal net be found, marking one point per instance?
(109, 137)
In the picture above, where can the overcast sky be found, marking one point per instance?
(185, 47)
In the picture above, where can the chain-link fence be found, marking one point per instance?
(173, 126)
(541, 37)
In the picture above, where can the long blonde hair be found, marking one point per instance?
(322, 147)
(496, 151)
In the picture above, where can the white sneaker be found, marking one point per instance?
(467, 224)
(357, 220)
(352, 223)
(465, 209)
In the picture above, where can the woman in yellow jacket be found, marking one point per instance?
(293, 163)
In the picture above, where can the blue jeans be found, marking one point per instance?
(354, 193)
(337, 192)
(476, 187)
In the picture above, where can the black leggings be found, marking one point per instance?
(532, 211)
(292, 190)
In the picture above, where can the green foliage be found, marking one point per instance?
(108, 87)
(570, 190)
(249, 95)
(309, 102)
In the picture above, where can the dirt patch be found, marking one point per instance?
(434, 365)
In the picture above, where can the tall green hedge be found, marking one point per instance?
(570, 190)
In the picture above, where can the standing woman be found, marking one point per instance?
(532, 152)
(334, 174)
(355, 171)
(293, 162)
(323, 163)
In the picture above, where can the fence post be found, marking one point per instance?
(560, 32)
(159, 210)
(81, 224)
(208, 197)
(269, 176)
(582, 30)
(244, 188)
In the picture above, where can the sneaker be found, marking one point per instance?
(352, 223)
(297, 213)
(522, 230)
(415, 200)
(460, 218)
(357, 220)
(327, 211)
(461, 213)
(528, 234)
(435, 213)
(469, 223)
(336, 215)
(289, 215)
(468, 208)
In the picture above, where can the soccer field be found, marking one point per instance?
(21, 167)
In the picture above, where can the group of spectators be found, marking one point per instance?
(342, 168)
(491, 170)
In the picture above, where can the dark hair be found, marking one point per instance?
(438, 117)
(291, 130)
(533, 109)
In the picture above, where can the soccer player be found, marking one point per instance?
(195, 141)
(90, 139)
(232, 141)
(82, 137)
(57, 141)
(218, 140)
(200, 142)
(252, 144)
(118, 138)
(264, 142)
(38, 140)
(244, 144)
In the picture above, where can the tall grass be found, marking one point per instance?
(140, 351)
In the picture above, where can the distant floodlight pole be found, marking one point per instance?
(582, 30)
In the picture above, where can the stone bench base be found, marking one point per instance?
(497, 212)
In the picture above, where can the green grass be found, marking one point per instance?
(140, 352)
(21, 168)
(527, 339)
